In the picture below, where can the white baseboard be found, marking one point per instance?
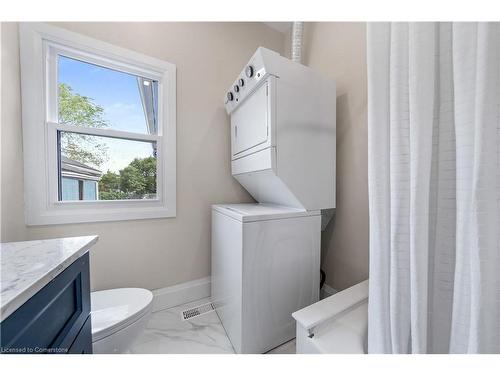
(179, 294)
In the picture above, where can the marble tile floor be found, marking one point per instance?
(167, 333)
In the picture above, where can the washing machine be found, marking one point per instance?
(265, 266)
(266, 256)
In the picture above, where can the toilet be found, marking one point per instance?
(119, 316)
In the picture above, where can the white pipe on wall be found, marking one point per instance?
(297, 32)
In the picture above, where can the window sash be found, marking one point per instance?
(52, 51)
(53, 159)
(104, 132)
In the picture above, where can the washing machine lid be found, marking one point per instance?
(114, 309)
(248, 212)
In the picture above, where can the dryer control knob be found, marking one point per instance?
(230, 96)
(236, 88)
(249, 71)
(241, 82)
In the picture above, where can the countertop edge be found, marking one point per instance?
(34, 288)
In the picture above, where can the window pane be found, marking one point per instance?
(69, 189)
(89, 190)
(94, 96)
(102, 168)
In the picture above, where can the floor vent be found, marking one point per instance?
(197, 311)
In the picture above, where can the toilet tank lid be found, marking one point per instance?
(248, 212)
(114, 309)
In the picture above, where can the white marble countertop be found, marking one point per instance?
(26, 267)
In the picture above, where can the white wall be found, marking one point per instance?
(162, 252)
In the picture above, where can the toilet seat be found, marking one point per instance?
(115, 309)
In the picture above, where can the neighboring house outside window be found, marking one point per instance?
(98, 129)
(78, 181)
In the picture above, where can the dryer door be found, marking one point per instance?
(250, 123)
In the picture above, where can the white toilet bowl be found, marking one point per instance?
(118, 317)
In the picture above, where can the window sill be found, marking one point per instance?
(73, 212)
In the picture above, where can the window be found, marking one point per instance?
(98, 128)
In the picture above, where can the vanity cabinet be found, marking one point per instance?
(54, 320)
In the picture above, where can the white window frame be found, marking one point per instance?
(39, 43)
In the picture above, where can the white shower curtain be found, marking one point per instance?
(434, 187)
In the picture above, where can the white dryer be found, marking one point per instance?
(283, 132)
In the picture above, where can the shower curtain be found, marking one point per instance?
(434, 187)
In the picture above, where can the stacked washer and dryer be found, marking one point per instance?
(266, 255)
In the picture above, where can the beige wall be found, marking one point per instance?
(163, 252)
(338, 50)
(12, 206)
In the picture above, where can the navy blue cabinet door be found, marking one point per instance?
(54, 318)
(83, 342)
